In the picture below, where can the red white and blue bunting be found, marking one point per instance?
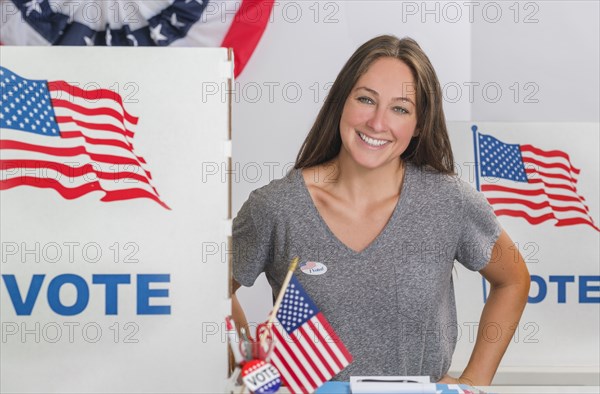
(205, 23)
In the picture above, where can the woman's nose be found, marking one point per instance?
(377, 120)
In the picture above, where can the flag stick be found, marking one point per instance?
(284, 286)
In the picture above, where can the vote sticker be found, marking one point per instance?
(261, 377)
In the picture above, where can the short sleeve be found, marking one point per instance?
(251, 240)
(479, 229)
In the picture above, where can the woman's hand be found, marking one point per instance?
(447, 379)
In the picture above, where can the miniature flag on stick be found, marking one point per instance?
(307, 351)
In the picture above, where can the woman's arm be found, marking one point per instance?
(237, 313)
(509, 280)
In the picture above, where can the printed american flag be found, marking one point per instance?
(57, 136)
(531, 183)
(307, 351)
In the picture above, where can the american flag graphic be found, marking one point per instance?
(307, 351)
(55, 135)
(530, 183)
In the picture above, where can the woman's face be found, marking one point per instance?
(379, 116)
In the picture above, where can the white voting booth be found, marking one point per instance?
(114, 225)
(110, 217)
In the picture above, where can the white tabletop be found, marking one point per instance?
(541, 389)
(527, 389)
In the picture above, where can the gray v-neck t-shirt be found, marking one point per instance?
(392, 304)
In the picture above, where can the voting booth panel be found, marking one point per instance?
(542, 181)
(107, 216)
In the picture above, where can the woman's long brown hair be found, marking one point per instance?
(430, 147)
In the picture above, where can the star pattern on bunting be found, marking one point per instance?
(156, 34)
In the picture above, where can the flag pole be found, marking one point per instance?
(476, 157)
(284, 286)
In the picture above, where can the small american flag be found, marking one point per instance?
(528, 182)
(307, 351)
(58, 136)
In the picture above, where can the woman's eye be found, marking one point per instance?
(365, 100)
(401, 110)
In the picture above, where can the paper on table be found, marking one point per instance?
(391, 384)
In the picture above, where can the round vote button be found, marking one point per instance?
(261, 377)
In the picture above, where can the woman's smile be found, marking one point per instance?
(372, 142)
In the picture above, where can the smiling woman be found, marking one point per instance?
(379, 119)
(418, 93)
(373, 199)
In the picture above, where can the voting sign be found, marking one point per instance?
(541, 179)
(106, 217)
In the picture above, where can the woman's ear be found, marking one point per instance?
(416, 132)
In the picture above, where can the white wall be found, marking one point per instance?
(557, 52)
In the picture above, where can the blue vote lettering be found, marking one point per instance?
(23, 307)
(588, 288)
(111, 283)
(83, 294)
(585, 288)
(144, 294)
(24, 299)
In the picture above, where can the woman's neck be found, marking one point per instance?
(366, 185)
